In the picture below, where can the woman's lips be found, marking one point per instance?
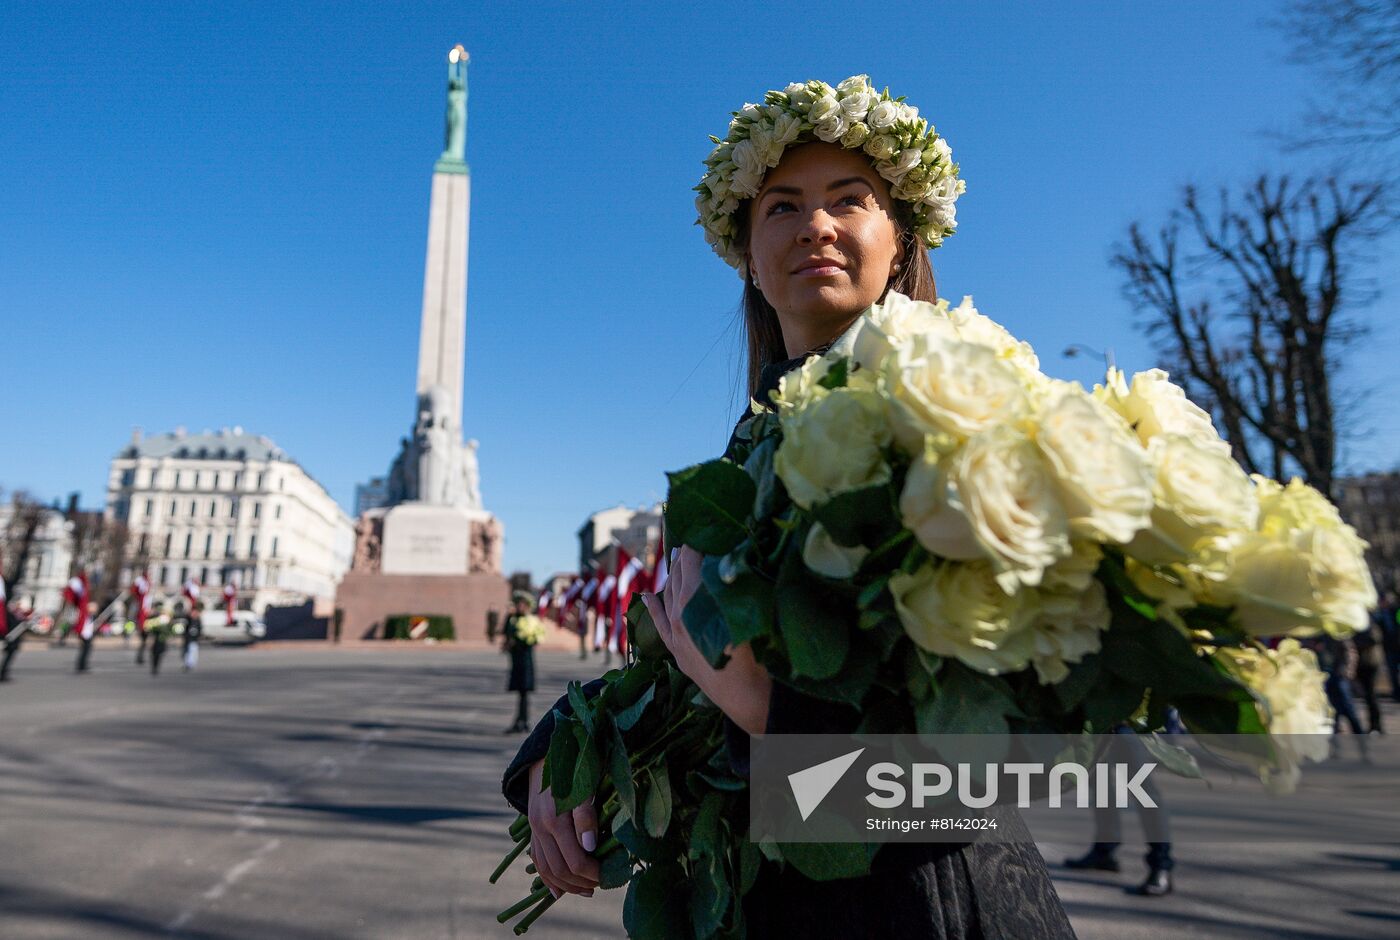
(820, 270)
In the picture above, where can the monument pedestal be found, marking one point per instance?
(423, 539)
(365, 599)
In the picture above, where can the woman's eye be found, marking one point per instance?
(774, 208)
(852, 200)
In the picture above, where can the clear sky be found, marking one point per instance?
(216, 214)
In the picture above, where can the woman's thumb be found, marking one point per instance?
(586, 825)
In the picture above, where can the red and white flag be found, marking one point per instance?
(191, 592)
(141, 590)
(76, 595)
(230, 599)
(546, 599)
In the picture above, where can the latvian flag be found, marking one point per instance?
(76, 594)
(141, 590)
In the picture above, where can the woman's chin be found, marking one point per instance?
(830, 301)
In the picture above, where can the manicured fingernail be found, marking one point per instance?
(556, 894)
(590, 840)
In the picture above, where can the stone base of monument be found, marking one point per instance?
(364, 600)
(423, 539)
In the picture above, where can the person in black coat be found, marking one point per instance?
(12, 618)
(522, 659)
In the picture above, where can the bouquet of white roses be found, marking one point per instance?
(926, 527)
(530, 629)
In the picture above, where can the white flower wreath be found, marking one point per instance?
(903, 147)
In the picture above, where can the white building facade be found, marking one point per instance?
(49, 563)
(228, 507)
(637, 530)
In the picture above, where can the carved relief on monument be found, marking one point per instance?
(486, 547)
(369, 537)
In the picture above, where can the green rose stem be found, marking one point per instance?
(511, 856)
(534, 915)
(519, 906)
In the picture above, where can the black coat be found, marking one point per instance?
(522, 659)
(926, 890)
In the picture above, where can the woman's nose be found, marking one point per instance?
(819, 230)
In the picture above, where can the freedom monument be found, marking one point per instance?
(433, 549)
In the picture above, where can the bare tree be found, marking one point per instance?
(1355, 47)
(17, 537)
(1250, 305)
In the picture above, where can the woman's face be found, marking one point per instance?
(822, 238)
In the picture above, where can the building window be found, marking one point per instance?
(194, 508)
(274, 546)
(177, 479)
(213, 508)
(281, 482)
(168, 537)
(208, 544)
(172, 507)
(128, 477)
(203, 575)
(237, 480)
(233, 509)
(228, 544)
(164, 574)
(196, 479)
(184, 574)
(252, 546)
(189, 544)
(257, 510)
(150, 507)
(277, 511)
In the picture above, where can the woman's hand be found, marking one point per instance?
(742, 687)
(560, 842)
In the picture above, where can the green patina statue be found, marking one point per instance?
(454, 151)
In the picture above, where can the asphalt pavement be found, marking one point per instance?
(309, 792)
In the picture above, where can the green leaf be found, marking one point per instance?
(630, 715)
(641, 631)
(562, 759)
(814, 621)
(588, 771)
(1073, 688)
(615, 869)
(836, 375)
(1111, 702)
(637, 842)
(868, 516)
(745, 600)
(580, 706)
(709, 897)
(705, 623)
(770, 493)
(851, 684)
(656, 903)
(750, 860)
(620, 770)
(965, 702)
(656, 813)
(709, 506)
(1176, 759)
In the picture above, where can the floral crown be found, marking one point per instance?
(903, 147)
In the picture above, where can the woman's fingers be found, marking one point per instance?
(583, 869)
(659, 617)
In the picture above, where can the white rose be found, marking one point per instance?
(907, 112)
(1200, 495)
(855, 136)
(821, 553)
(942, 384)
(894, 322)
(799, 95)
(957, 610)
(854, 85)
(1155, 406)
(881, 146)
(1304, 570)
(943, 154)
(833, 444)
(832, 130)
(1074, 572)
(901, 164)
(883, 115)
(1067, 626)
(930, 507)
(786, 129)
(1294, 708)
(1009, 496)
(824, 109)
(857, 104)
(978, 328)
(1103, 474)
(802, 385)
(745, 183)
(748, 157)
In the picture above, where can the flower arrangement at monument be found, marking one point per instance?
(924, 526)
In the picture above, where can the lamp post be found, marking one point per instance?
(1074, 350)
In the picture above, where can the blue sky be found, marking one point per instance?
(216, 215)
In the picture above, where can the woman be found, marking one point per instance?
(819, 237)
(522, 660)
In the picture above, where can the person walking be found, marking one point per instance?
(158, 627)
(1369, 657)
(194, 629)
(75, 596)
(521, 632)
(1387, 620)
(12, 618)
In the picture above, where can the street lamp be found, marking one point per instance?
(1074, 350)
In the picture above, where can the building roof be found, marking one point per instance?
(224, 444)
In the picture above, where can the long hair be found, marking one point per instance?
(764, 336)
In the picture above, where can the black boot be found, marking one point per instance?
(1158, 884)
(1098, 858)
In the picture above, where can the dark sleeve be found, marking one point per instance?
(789, 712)
(515, 783)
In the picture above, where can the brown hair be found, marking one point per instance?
(763, 335)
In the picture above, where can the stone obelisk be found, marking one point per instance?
(442, 340)
(432, 549)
